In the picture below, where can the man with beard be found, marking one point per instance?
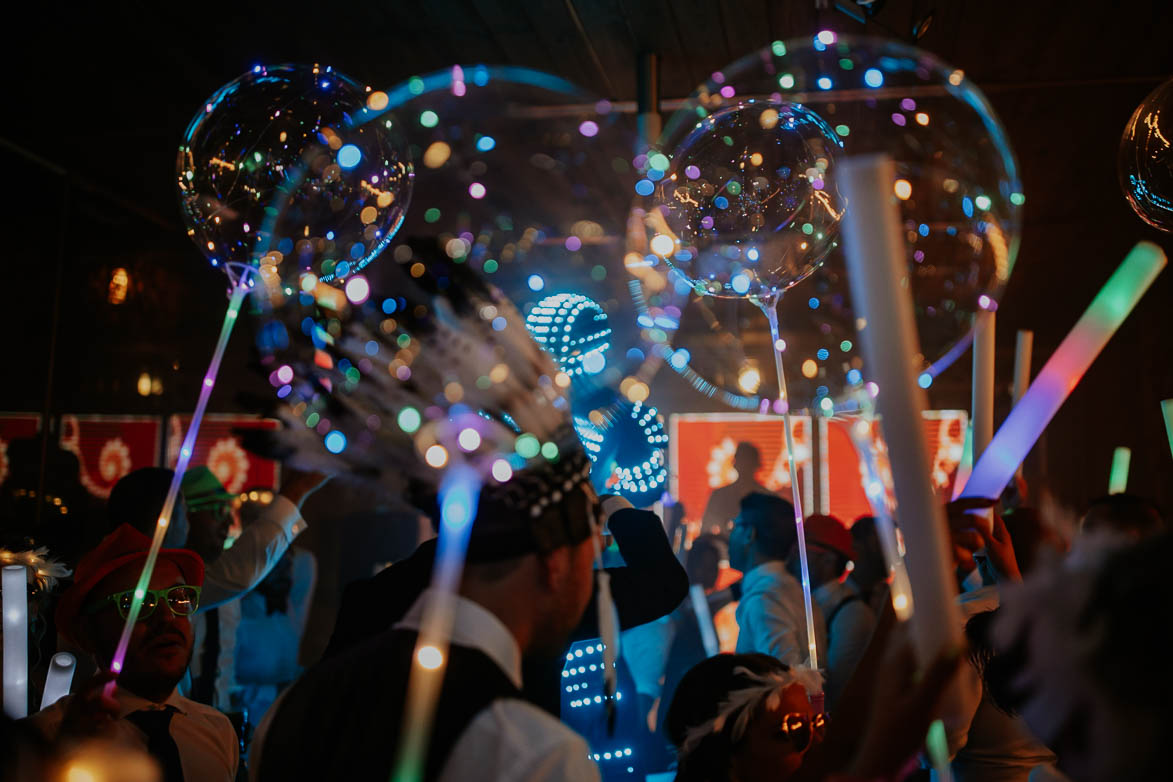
(189, 740)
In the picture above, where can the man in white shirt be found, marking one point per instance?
(189, 740)
(770, 615)
(525, 586)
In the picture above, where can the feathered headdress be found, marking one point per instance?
(401, 390)
(743, 703)
(42, 570)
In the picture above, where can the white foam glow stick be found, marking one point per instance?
(1022, 355)
(1064, 369)
(16, 640)
(59, 678)
(874, 245)
(704, 619)
(983, 382)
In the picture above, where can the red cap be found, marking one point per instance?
(829, 533)
(123, 546)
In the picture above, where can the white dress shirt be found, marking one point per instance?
(253, 555)
(208, 747)
(771, 618)
(510, 740)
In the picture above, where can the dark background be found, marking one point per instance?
(101, 95)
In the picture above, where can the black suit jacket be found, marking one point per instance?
(650, 586)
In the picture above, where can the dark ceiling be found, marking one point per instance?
(104, 92)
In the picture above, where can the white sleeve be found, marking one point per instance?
(253, 555)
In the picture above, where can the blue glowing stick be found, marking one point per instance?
(1064, 369)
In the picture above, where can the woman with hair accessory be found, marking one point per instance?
(747, 717)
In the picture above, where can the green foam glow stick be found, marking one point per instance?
(1118, 478)
(1167, 412)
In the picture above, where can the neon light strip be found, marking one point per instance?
(1064, 369)
(459, 493)
(16, 640)
(185, 452)
(1118, 477)
(947, 360)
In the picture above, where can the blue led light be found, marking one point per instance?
(813, 303)
(335, 442)
(854, 376)
(873, 77)
(486, 143)
(644, 187)
(349, 156)
(822, 354)
(824, 83)
(535, 282)
(925, 380)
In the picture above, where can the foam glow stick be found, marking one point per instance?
(983, 382)
(1022, 355)
(1118, 478)
(770, 308)
(459, 493)
(875, 249)
(185, 452)
(16, 640)
(704, 619)
(59, 678)
(966, 465)
(1167, 412)
(1064, 369)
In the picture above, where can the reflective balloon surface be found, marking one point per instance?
(956, 187)
(748, 203)
(1146, 158)
(292, 169)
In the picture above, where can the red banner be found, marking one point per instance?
(701, 455)
(842, 475)
(110, 446)
(15, 426)
(221, 450)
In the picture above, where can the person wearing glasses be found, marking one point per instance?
(189, 740)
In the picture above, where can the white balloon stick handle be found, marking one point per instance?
(59, 678)
(16, 641)
(878, 274)
(771, 310)
(704, 619)
(1064, 369)
(1022, 354)
(983, 382)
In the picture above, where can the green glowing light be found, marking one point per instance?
(1118, 478)
(778, 48)
(409, 420)
(527, 446)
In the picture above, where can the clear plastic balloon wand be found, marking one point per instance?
(239, 290)
(770, 308)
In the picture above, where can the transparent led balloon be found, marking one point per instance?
(528, 179)
(748, 205)
(956, 187)
(293, 169)
(1146, 158)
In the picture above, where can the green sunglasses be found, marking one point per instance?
(181, 599)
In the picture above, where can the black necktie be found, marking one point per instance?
(156, 723)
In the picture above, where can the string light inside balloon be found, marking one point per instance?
(572, 328)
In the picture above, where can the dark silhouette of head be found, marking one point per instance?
(137, 499)
(1126, 514)
(747, 460)
(764, 531)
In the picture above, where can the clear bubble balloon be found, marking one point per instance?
(956, 187)
(748, 203)
(1146, 158)
(293, 169)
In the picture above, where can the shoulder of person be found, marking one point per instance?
(205, 713)
(513, 739)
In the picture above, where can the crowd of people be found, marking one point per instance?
(1061, 676)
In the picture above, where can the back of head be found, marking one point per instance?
(1126, 514)
(772, 519)
(137, 499)
(747, 457)
(704, 560)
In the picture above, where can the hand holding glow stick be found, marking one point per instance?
(1064, 369)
